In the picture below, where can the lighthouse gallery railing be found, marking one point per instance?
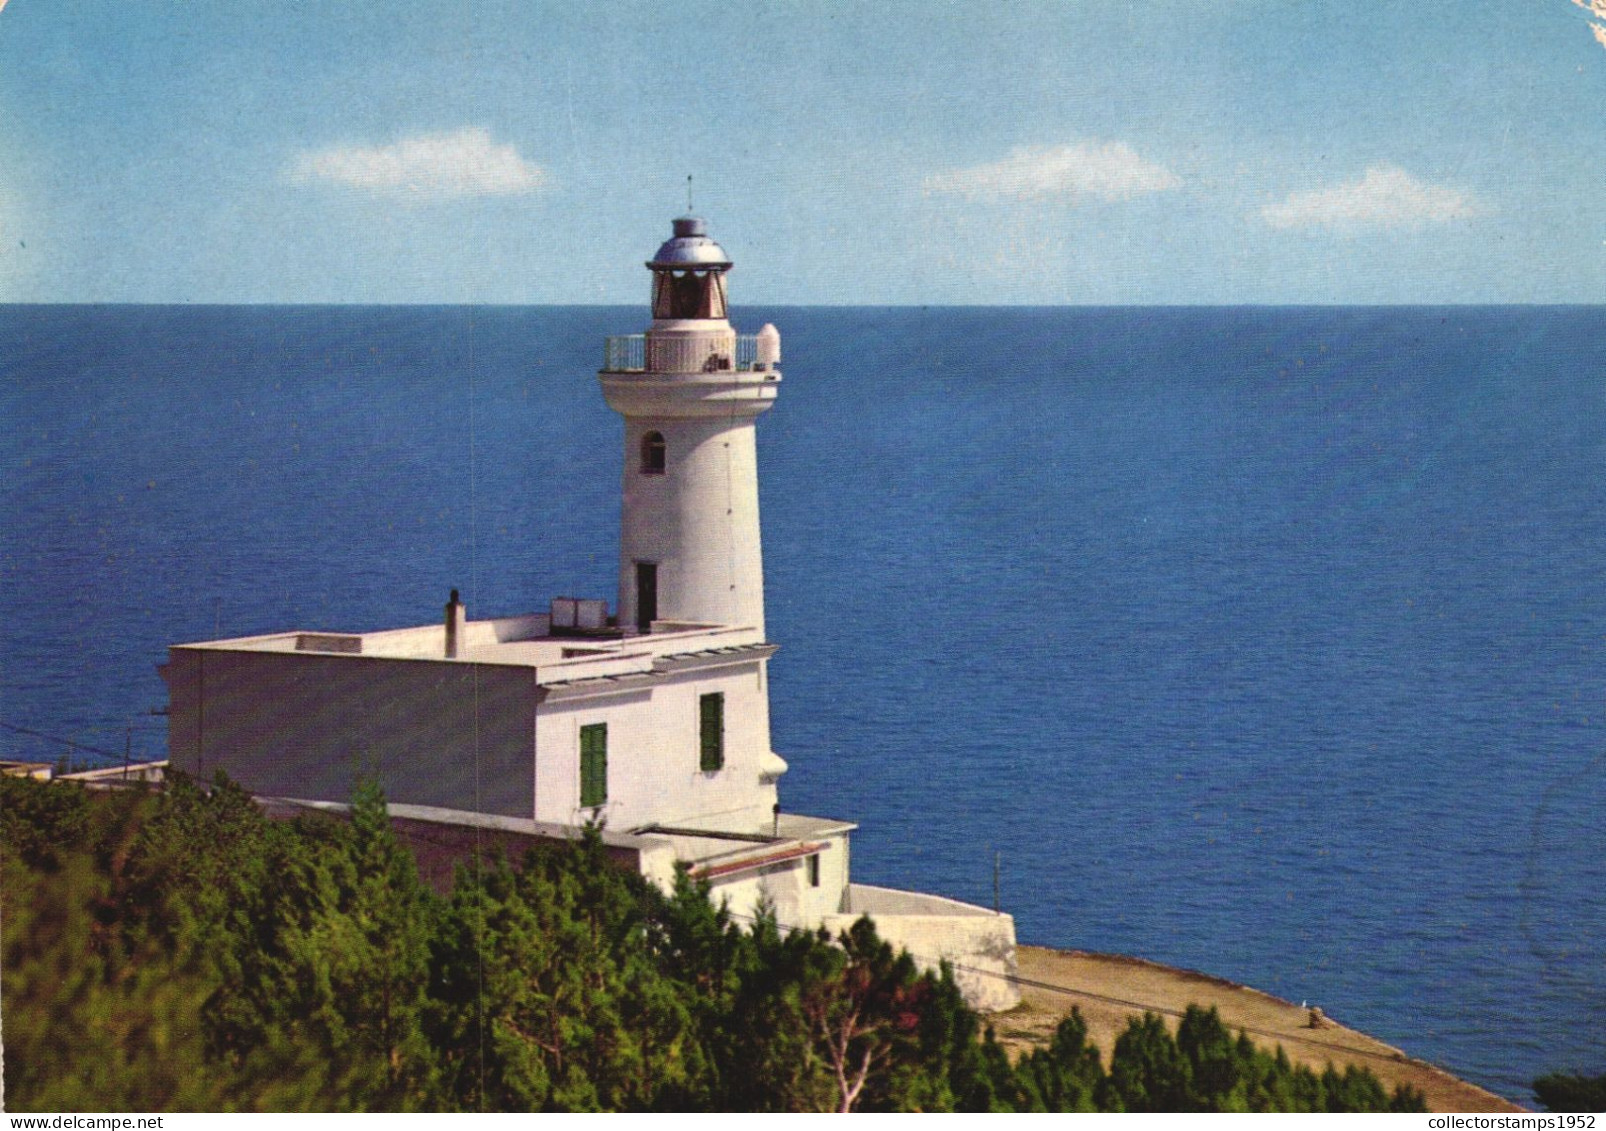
(627, 353)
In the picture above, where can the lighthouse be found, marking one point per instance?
(651, 728)
(690, 390)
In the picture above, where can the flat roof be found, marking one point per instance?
(712, 852)
(528, 641)
(465, 818)
(716, 852)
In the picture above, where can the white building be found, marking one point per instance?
(653, 722)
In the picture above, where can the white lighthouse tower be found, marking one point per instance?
(513, 730)
(690, 390)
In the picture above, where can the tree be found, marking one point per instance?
(1559, 1092)
(40, 820)
(194, 954)
(1147, 1071)
(767, 1054)
(865, 1016)
(96, 1018)
(100, 1011)
(1067, 1075)
(817, 1026)
(319, 931)
(546, 996)
(1217, 1065)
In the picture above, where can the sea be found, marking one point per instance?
(1268, 642)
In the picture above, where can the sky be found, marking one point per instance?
(1065, 152)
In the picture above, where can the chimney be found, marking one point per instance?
(456, 626)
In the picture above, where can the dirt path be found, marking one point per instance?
(1109, 989)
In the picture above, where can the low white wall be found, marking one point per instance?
(873, 901)
(978, 944)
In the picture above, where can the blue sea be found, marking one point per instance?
(1266, 642)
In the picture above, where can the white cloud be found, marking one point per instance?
(1596, 8)
(1109, 170)
(429, 166)
(1385, 197)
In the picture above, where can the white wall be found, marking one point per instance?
(980, 944)
(654, 753)
(698, 521)
(302, 725)
(786, 888)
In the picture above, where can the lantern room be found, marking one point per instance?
(688, 275)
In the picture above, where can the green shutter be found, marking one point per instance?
(712, 727)
(593, 765)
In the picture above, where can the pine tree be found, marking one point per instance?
(1560, 1092)
(1147, 1070)
(1066, 1076)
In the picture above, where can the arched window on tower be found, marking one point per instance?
(654, 454)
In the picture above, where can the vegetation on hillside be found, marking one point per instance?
(177, 950)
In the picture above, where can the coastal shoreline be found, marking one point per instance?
(1110, 989)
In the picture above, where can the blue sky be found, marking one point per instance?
(1198, 151)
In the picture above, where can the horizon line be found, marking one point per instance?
(355, 304)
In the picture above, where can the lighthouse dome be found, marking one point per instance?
(689, 248)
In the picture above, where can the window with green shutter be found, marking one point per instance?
(711, 720)
(593, 765)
